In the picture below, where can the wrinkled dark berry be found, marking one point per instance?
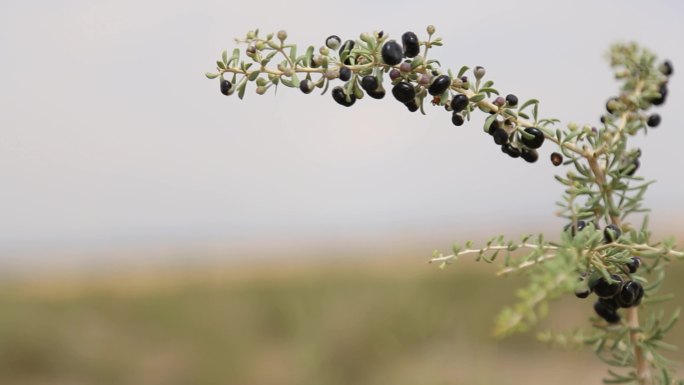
(653, 120)
(440, 84)
(611, 233)
(347, 46)
(513, 152)
(226, 86)
(634, 264)
(392, 53)
(556, 159)
(459, 102)
(537, 138)
(345, 73)
(403, 92)
(606, 311)
(666, 68)
(500, 136)
(632, 292)
(412, 105)
(411, 45)
(512, 100)
(333, 42)
(605, 289)
(341, 98)
(457, 119)
(369, 83)
(529, 155)
(306, 86)
(663, 95)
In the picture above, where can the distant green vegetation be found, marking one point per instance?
(324, 325)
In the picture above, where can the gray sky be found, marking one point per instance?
(110, 135)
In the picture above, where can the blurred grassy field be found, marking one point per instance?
(281, 323)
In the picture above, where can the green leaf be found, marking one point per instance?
(210, 75)
(463, 70)
(224, 56)
(220, 65)
(241, 89)
(253, 75)
(488, 122)
(477, 98)
(489, 90)
(528, 103)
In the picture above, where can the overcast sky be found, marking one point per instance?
(110, 135)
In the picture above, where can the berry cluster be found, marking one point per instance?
(624, 104)
(615, 291)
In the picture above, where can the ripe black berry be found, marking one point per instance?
(341, 98)
(556, 159)
(333, 42)
(369, 83)
(611, 233)
(377, 94)
(459, 102)
(493, 127)
(653, 120)
(513, 152)
(440, 84)
(632, 292)
(412, 105)
(537, 138)
(611, 105)
(529, 155)
(345, 73)
(403, 92)
(512, 100)
(605, 289)
(457, 119)
(634, 264)
(410, 43)
(606, 311)
(347, 46)
(500, 136)
(579, 226)
(663, 95)
(226, 86)
(666, 68)
(306, 86)
(582, 290)
(633, 167)
(392, 53)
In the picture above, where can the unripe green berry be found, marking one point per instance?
(282, 35)
(479, 72)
